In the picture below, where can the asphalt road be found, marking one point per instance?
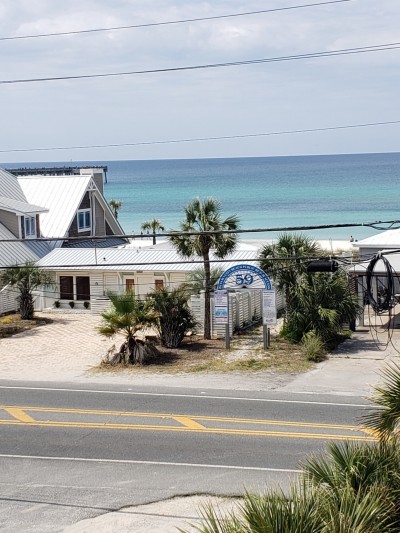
(68, 452)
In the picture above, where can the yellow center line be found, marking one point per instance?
(188, 422)
(221, 431)
(185, 416)
(19, 414)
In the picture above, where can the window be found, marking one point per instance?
(82, 284)
(130, 285)
(30, 227)
(158, 284)
(66, 288)
(82, 288)
(84, 220)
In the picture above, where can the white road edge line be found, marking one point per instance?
(154, 463)
(202, 396)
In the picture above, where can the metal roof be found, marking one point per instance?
(393, 258)
(14, 253)
(20, 208)
(96, 243)
(128, 260)
(387, 239)
(61, 195)
(9, 186)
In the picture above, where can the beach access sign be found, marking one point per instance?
(269, 307)
(221, 306)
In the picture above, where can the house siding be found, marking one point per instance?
(85, 204)
(10, 221)
(100, 223)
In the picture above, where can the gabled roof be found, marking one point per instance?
(61, 195)
(20, 208)
(131, 259)
(387, 239)
(13, 253)
(10, 188)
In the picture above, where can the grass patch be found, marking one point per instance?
(12, 324)
(246, 355)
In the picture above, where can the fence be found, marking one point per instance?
(245, 307)
(8, 300)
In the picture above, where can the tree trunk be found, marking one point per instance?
(207, 299)
(154, 239)
(26, 307)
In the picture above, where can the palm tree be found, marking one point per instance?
(174, 318)
(154, 225)
(26, 279)
(384, 419)
(115, 206)
(127, 316)
(202, 216)
(197, 278)
(321, 303)
(286, 260)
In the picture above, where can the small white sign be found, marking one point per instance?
(269, 307)
(221, 313)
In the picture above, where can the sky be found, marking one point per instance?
(217, 102)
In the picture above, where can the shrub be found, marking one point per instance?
(174, 318)
(86, 305)
(57, 304)
(313, 346)
(71, 304)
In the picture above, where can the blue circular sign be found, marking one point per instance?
(244, 277)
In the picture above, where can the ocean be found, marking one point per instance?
(265, 192)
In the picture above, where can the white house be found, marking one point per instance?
(65, 206)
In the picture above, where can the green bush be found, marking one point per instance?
(174, 318)
(313, 346)
(71, 304)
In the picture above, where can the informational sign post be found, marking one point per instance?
(221, 306)
(269, 307)
(269, 314)
(221, 312)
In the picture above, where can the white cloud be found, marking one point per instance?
(246, 99)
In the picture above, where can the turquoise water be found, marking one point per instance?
(265, 192)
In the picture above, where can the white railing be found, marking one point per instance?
(8, 299)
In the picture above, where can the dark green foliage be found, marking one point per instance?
(315, 302)
(127, 316)
(26, 279)
(384, 419)
(321, 303)
(286, 261)
(173, 317)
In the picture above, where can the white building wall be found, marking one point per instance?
(8, 300)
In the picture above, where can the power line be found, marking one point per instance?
(173, 233)
(278, 59)
(170, 22)
(202, 139)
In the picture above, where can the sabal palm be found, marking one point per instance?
(25, 278)
(127, 316)
(384, 418)
(197, 278)
(286, 260)
(115, 206)
(154, 225)
(322, 302)
(202, 216)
